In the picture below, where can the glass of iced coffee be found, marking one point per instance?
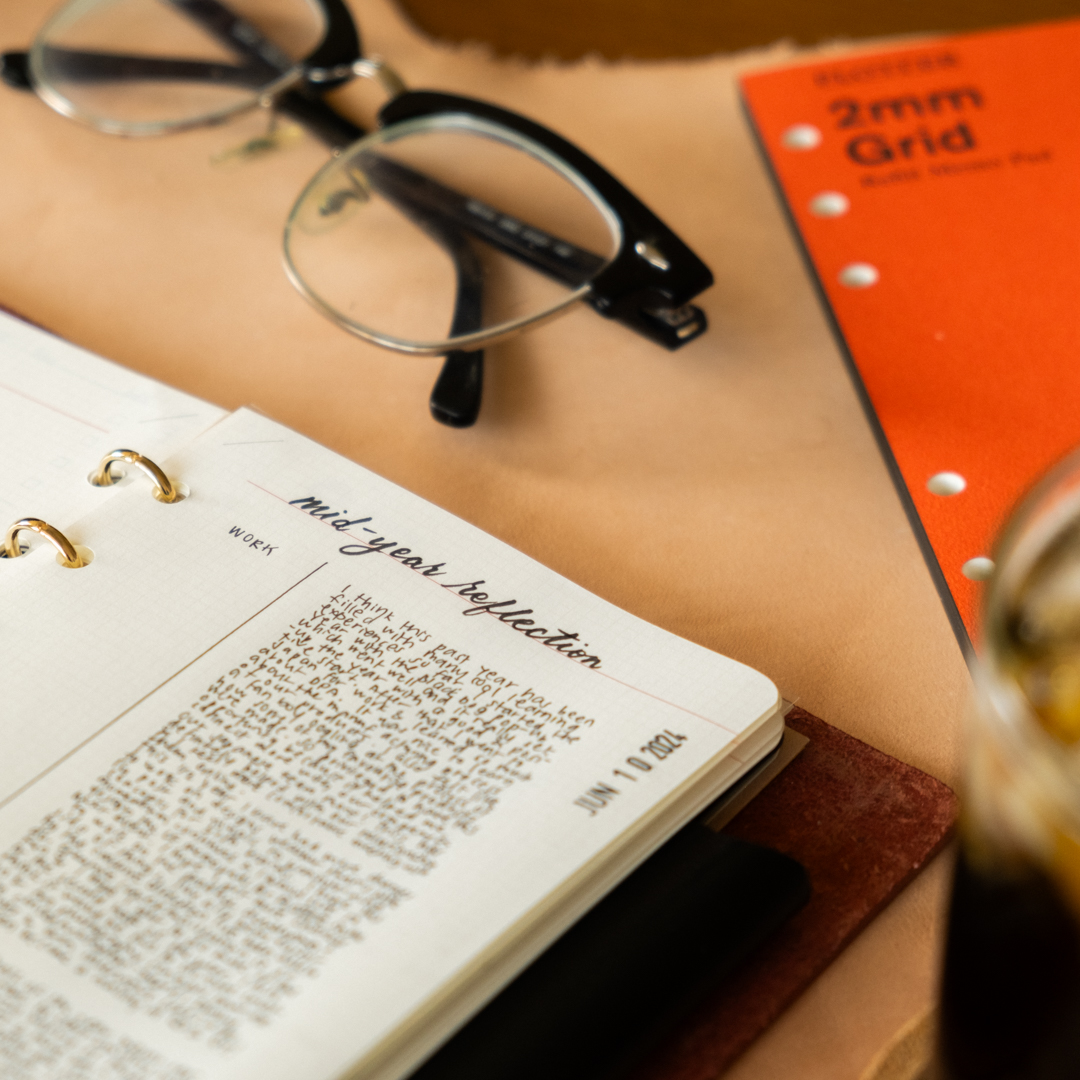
(1011, 991)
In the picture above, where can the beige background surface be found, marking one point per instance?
(730, 492)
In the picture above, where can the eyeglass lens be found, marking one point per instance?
(445, 227)
(136, 66)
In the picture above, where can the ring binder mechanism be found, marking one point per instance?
(164, 489)
(69, 557)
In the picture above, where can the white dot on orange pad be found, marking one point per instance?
(978, 569)
(801, 137)
(829, 204)
(946, 483)
(859, 275)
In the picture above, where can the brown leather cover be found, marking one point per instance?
(863, 824)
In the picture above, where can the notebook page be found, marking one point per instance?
(311, 746)
(62, 409)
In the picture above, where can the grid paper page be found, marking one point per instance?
(306, 749)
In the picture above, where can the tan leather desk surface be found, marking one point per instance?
(730, 492)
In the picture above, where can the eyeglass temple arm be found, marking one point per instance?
(457, 393)
(566, 263)
(82, 65)
(650, 282)
(338, 49)
(236, 34)
(558, 259)
(264, 61)
(456, 397)
(562, 261)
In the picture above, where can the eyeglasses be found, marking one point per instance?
(453, 226)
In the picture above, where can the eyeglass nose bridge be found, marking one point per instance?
(366, 67)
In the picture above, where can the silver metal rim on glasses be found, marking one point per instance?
(490, 336)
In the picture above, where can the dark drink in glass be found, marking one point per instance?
(1010, 1005)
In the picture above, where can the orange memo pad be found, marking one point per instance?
(936, 191)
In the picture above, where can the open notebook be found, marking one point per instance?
(298, 772)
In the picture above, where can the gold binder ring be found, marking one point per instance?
(164, 489)
(69, 557)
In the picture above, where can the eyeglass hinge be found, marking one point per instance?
(652, 255)
(668, 325)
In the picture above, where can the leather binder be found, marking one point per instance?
(624, 995)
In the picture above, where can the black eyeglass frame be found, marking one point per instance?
(653, 271)
(647, 286)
